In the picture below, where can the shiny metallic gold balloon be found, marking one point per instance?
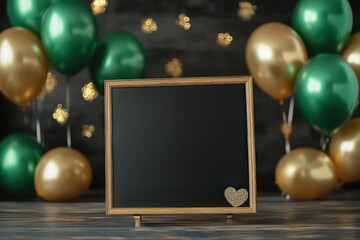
(274, 55)
(306, 174)
(23, 65)
(351, 54)
(62, 174)
(345, 151)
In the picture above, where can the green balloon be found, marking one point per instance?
(69, 34)
(27, 13)
(326, 92)
(19, 156)
(120, 55)
(324, 25)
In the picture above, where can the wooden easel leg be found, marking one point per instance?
(229, 218)
(137, 219)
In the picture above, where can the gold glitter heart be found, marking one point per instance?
(236, 198)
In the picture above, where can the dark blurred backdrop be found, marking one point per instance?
(200, 56)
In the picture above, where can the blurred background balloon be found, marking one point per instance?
(351, 54)
(306, 174)
(23, 65)
(345, 151)
(27, 13)
(120, 55)
(19, 156)
(326, 92)
(274, 55)
(69, 35)
(63, 174)
(324, 25)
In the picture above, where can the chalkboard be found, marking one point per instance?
(180, 146)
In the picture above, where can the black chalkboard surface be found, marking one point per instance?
(180, 146)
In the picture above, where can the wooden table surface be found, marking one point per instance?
(337, 217)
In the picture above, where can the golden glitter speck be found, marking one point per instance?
(224, 39)
(174, 68)
(236, 198)
(60, 114)
(148, 26)
(88, 130)
(246, 11)
(98, 6)
(50, 84)
(89, 92)
(183, 21)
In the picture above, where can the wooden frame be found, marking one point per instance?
(109, 85)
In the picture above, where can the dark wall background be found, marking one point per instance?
(200, 56)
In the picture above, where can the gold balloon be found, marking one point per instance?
(62, 174)
(306, 174)
(345, 151)
(274, 55)
(23, 65)
(351, 54)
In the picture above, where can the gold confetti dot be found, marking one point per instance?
(174, 68)
(60, 114)
(183, 21)
(224, 39)
(49, 86)
(148, 26)
(88, 130)
(50, 83)
(89, 92)
(246, 10)
(187, 26)
(286, 129)
(98, 6)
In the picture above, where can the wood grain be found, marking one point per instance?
(337, 217)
